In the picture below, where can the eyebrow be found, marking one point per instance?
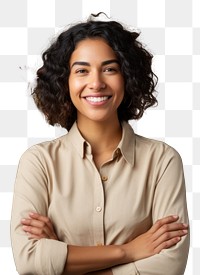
(106, 62)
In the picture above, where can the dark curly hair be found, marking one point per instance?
(51, 93)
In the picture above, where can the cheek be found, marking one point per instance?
(75, 87)
(120, 95)
(120, 87)
(74, 98)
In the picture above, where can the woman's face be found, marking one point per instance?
(96, 83)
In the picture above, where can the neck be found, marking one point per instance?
(102, 136)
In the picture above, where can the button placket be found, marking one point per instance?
(98, 216)
(103, 173)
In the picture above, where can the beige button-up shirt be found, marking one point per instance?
(142, 182)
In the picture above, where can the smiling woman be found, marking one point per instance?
(52, 95)
(101, 199)
(96, 84)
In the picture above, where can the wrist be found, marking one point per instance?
(127, 257)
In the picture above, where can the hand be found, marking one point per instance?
(164, 234)
(38, 227)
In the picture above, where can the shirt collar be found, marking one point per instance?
(77, 140)
(126, 146)
(127, 143)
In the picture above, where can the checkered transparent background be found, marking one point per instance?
(171, 31)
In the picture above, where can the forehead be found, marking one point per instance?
(92, 49)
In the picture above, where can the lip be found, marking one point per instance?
(103, 99)
(97, 94)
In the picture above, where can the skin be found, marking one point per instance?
(97, 89)
(95, 73)
(163, 234)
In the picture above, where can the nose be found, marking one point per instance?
(96, 82)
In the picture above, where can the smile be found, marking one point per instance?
(97, 99)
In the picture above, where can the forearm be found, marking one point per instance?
(82, 260)
(101, 272)
(164, 233)
(176, 257)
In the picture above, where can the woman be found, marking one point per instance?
(101, 199)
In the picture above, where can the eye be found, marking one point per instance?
(81, 71)
(111, 70)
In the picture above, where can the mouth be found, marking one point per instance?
(97, 99)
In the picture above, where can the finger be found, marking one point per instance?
(38, 221)
(167, 228)
(35, 223)
(34, 230)
(34, 233)
(36, 216)
(42, 232)
(167, 236)
(167, 244)
(40, 224)
(159, 223)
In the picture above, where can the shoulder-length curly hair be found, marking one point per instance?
(51, 93)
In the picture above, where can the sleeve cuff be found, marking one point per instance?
(125, 269)
(50, 257)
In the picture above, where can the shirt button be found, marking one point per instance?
(98, 208)
(104, 178)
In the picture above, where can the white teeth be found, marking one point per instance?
(97, 99)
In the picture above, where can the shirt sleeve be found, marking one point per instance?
(169, 199)
(125, 269)
(45, 257)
